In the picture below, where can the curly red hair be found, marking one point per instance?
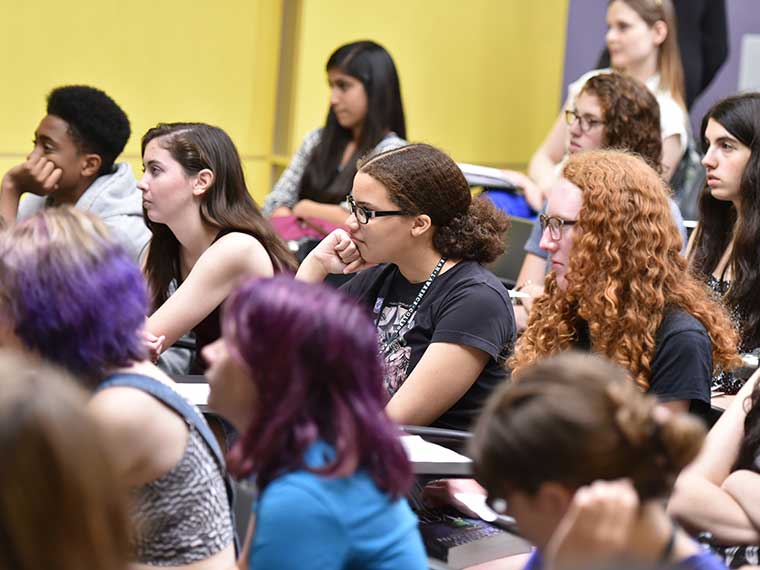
(624, 273)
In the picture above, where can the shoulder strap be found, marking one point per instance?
(170, 398)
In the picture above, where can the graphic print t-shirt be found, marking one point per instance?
(466, 305)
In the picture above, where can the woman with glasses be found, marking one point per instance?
(641, 38)
(619, 286)
(366, 116)
(445, 323)
(725, 248)
(612, 110)
(584, 462)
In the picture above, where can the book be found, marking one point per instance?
(461, 542)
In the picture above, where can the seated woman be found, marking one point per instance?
(298, 374)
(725, 247)
(208, 233)
(366, 116)
(61, 505)
(611, 110)
(74, 297)
(583, 461)
(619, 286)
(444, 322)
(718, 493)
(641, 39)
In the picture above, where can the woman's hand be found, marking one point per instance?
(597, 526)
(337, 253)
(281, 212)
(154, 344)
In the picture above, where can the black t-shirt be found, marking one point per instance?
(682, 362)
(466, 305)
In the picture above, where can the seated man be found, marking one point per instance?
(75, 146)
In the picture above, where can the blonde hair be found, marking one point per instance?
(61, 503)
(669, 62)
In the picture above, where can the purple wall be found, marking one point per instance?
(585, 40)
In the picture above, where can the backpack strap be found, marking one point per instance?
(173, 400)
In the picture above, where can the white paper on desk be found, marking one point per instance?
(196, 393)
(477, 175)
(430, 458)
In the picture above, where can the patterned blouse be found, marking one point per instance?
(726, 382)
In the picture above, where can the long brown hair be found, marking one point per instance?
(61, 503)
(625, 272)
(669, 57)
(227, 205)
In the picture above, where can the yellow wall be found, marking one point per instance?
(481, 78)
(161, 60)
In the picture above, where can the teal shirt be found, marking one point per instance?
(304, 520)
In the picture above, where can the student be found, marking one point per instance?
(366, 117)
(725, 246)
(61, 505)
(611, 110)
(75, 146)
(208, 233)
(619, 286)
(717, 493)
(583, 461)
(444, 322)
(72, 296)
(642, 41)
(298, 374)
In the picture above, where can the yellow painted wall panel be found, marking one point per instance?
(479, 78)
(161, 60)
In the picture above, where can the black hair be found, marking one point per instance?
(371, 64)
(740, 116)
(96, 123)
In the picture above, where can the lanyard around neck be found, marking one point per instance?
(413, 309)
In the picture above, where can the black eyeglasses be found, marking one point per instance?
(587, 123)
(554, 224)
(363, 215)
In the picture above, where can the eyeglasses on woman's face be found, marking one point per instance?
(555, 225)
(586, 122)
(364, 215)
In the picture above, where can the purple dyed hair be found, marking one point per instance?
(73, 295)
(313, 353)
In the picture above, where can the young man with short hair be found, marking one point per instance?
(75, 146)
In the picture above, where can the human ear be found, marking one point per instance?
(554, 498)
(659, 32)
(203, 181)
(421, 224)
(91, 164)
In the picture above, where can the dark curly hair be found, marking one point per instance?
(421, 179)
(630, 113)
(96, 123)
(626, 271)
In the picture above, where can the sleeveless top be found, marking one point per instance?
(183, 516)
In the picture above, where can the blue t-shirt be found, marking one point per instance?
(704, 560)
(304, 520)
